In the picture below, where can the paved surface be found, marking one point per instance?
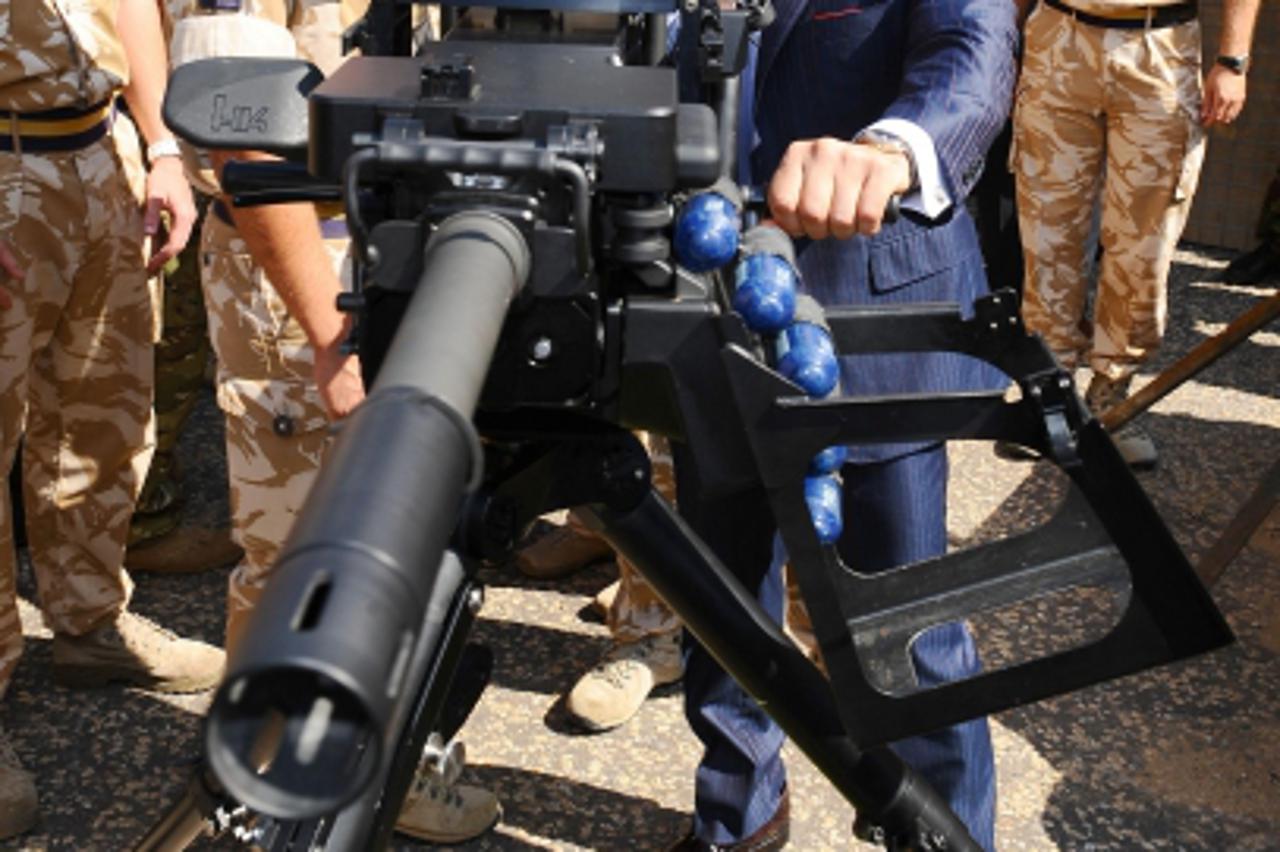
(1187, 757)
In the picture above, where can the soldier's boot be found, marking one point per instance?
(1252, 266)
(133, 650)
(440, 810)
(184, 550)
(613, 691)
(18, 805)
(562, 551)
(1135, 445)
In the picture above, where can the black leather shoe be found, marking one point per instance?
(1252, 267)
(1013, 451)
(770, 837)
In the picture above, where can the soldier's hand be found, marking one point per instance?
(832, 188)
(1224, 95)
(338, 377)
(12, 271)
(168, 192)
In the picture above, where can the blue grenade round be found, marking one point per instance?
(809, 359)
(822, 495)
(766, 292)
(706, 234)
(829, 460)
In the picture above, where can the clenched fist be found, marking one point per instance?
(831, 188)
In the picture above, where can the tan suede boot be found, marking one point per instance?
(562, 551)
(184, 550)
(1134, 444)
(18, 805)
(135, 651)
(613, 691)
(440, 810)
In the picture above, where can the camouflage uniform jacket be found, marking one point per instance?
(59, 53)
(55, 54)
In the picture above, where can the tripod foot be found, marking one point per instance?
(194, 814)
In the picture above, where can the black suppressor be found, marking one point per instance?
(296, 729)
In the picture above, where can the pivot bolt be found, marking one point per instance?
(542, 349)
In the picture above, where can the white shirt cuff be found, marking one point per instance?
(930, 198)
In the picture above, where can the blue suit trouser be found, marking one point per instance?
(895, 514)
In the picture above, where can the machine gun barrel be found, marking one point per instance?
(303, 719)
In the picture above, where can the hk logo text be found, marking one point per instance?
(228, 118)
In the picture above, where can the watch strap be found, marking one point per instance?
(889, 143)
(167, 147)
(1237, 64)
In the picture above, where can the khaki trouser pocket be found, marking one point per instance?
(10, 191)
(1192, 160)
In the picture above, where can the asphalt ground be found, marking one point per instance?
(1186, 757)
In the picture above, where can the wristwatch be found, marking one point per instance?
(167, 147)
(891, 144)
(1236, 64)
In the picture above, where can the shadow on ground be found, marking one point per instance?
(1186, 756)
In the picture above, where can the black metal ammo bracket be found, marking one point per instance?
(1050, 388)
(1106, 534)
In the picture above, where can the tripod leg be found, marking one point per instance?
(188, 818)
(729, 622)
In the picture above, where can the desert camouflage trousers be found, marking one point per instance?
(1109, 115)
(637, 611)
(276, 427)
(181, 355)
(76, 376)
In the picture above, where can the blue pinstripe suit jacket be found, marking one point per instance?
(833, 67)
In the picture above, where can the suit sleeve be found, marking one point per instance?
(957, 81)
